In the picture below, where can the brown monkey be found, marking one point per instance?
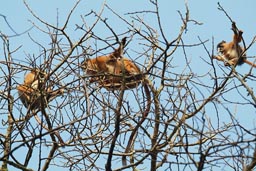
(107, 70)
(34, 95)
(111, 72)
(33, 90)
(232, 53)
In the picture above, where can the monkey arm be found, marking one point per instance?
(51, 94)
(219, 58)
(227, 62)
(237, 38)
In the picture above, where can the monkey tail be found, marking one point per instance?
(135, 130)
(250, 63)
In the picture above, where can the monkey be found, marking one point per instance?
(33, 94)
(113, 70)
(33, 90)
(232, 53)
(29, 92)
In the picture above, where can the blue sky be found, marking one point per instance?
(214, 21)
(215, 25)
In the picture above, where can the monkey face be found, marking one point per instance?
(220, 46)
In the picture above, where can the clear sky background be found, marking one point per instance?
(215, 25)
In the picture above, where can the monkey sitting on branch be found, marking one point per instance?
(232, 53)
(35, 95)
(33, 92)
(115, 72)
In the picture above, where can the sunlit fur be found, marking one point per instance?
(113, 70)
(232, 53)
(33, 93)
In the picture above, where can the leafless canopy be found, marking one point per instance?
(193, 121)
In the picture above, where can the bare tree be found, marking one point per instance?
(179, 127)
